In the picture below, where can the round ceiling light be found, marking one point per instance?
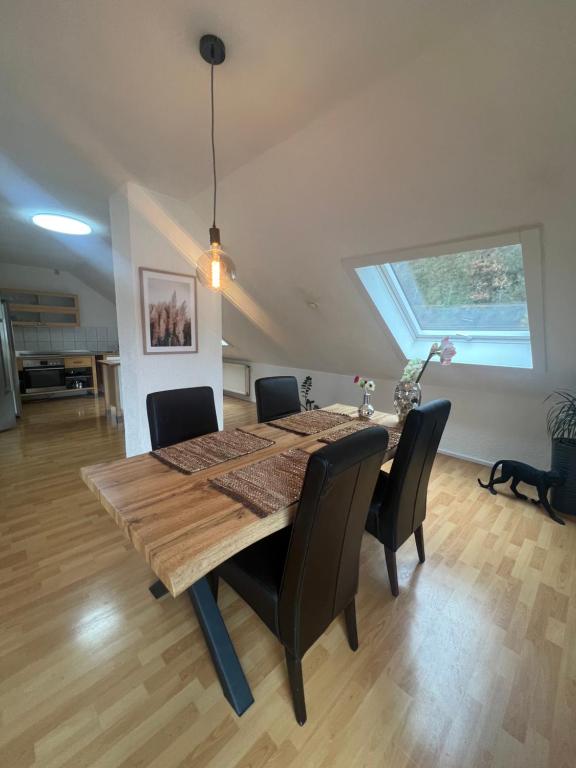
(66, 225)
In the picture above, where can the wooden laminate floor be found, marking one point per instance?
(473, 666)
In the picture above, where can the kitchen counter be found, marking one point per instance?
(52, 374)
(110, 373)
(110, 361)
(64, 353)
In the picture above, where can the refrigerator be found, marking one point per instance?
(10, 406)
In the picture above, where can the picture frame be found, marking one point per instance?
(169, 312)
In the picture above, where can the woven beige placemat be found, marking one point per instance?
(394, 434)
(209, 450)
(310, 422)
(268, 485)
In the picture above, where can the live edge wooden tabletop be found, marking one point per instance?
(181, 524)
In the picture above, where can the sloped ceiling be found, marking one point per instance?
(94, 94)
(474, 136)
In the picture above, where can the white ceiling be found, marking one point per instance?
(93, 94)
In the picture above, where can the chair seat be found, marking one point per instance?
(374, 513)
(255, 574)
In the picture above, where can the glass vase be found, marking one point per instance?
(407, 396)
(366, 410)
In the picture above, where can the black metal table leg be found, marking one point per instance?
(234, 684)
(158, 590)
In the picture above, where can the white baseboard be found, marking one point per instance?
(464, 457)
(236, 395)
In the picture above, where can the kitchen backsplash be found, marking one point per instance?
(61, 339)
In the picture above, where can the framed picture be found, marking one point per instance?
(169, 317)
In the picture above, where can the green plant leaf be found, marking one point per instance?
(561, 417)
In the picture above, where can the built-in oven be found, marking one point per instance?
(42, 374)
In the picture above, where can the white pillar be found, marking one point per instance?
(147, 232)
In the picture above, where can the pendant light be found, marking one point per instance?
(220, 266)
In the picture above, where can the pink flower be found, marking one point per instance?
(356, 379)
(447, 351)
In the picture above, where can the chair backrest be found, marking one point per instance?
(404, 507)
(321, 573)
(276, 396)
(180, 414)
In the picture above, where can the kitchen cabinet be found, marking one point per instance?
(42, 308)
(57, 375)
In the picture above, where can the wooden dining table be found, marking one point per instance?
(185, 528)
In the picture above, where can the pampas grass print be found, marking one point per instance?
(170, 324)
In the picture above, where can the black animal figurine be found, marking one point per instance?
(524, 473)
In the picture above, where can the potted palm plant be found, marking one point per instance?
(562, 430)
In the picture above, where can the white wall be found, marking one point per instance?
(482, 427)
(145, 233)
(471, 138)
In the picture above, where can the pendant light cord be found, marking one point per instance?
(213, 144)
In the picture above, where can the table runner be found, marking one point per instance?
(394, 433)
(208, 450)
(310, 422)
(268, 485)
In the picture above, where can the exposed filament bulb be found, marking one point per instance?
(215, 266)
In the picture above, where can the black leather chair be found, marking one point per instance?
(175, 415)
(180, 414)
(276, 396)
(398, 508)
(299, 579)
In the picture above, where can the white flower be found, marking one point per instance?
(411, 371)
(370, 386)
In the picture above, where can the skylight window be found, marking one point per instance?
(474, 291)
(484, 293)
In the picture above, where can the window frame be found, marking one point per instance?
(502, 349)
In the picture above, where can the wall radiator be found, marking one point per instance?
(236, 378)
